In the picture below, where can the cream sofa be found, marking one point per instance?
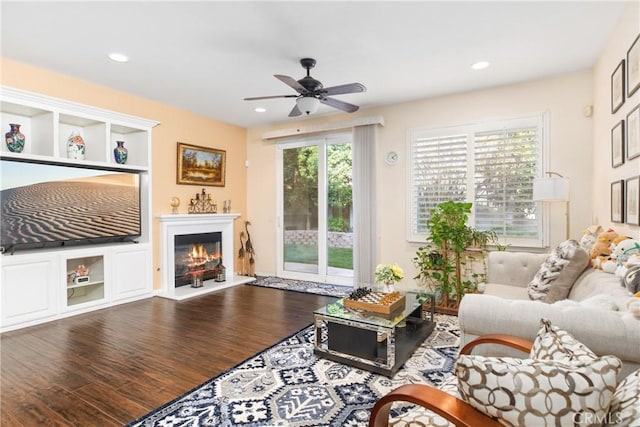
(595, 311)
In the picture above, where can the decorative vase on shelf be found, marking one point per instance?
(14, 138)
(75, 146)
(120, 153)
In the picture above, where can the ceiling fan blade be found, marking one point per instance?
(255, 98)
(295, 112)
(340, 105)
(342, 89)
(290, 81)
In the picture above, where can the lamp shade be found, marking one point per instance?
(551, 189)
(307, 104)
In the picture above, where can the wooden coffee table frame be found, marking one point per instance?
(371, 342)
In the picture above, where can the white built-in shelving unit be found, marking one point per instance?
(39, 285)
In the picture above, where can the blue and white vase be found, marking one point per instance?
(120, 153)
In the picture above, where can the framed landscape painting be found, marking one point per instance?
(617, 87)
(617, 144)
(617, 201)
(201, 165)
(632, 201)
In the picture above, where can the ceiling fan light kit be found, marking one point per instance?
(307, 104)
(311, 93)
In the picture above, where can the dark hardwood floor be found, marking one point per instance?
(111, 366)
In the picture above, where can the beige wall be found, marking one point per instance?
(573, 152)
(603, 174)
(175, 125)
(571, 143)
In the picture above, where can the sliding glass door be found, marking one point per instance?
(315, 235)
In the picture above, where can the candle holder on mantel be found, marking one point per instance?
(202, 204)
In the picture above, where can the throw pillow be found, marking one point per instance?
(625, 405)
(553, 343)
(527, 392)
(556, 276)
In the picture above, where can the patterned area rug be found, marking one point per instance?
(287, 385)
(325, 289)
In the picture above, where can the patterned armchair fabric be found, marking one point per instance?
(561, 383)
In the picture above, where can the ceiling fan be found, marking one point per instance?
(311, 92)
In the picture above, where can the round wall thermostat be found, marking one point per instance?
(392, 158)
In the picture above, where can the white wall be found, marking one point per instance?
(571, 148)
(603, 174)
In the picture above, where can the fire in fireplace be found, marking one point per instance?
(198, 257)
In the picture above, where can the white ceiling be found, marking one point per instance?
(207, 56)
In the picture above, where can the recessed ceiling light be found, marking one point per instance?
(260, 109)
(118, 57)
(480, 65)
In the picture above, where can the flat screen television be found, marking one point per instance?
(46, 205)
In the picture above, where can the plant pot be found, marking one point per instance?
(444, 305)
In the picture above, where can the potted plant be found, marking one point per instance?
(444, 264)
(388, 274)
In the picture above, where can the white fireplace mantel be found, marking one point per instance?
(177, 225)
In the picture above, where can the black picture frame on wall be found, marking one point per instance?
(632, 134)
(633, 67)
(617, 87)
(617, 144)
(632, 200)
(617, 201)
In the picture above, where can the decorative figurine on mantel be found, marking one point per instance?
(226, 208)
(202, 204)
(175, 204)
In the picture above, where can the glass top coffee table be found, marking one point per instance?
(377, 343)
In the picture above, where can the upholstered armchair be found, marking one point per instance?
(446, 405)
(572, 384)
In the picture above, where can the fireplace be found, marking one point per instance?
(197, 258)
(197, 254)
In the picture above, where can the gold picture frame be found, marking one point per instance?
(201, 165)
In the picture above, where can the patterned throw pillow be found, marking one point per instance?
(527, 392)
(559, 271)
(553, 343)
(625, 405)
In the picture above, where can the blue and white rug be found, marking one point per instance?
(287, 385)
(325, 289)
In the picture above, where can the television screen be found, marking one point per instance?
(46, 205)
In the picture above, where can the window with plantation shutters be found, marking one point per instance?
(439, 173)
(492, 164)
